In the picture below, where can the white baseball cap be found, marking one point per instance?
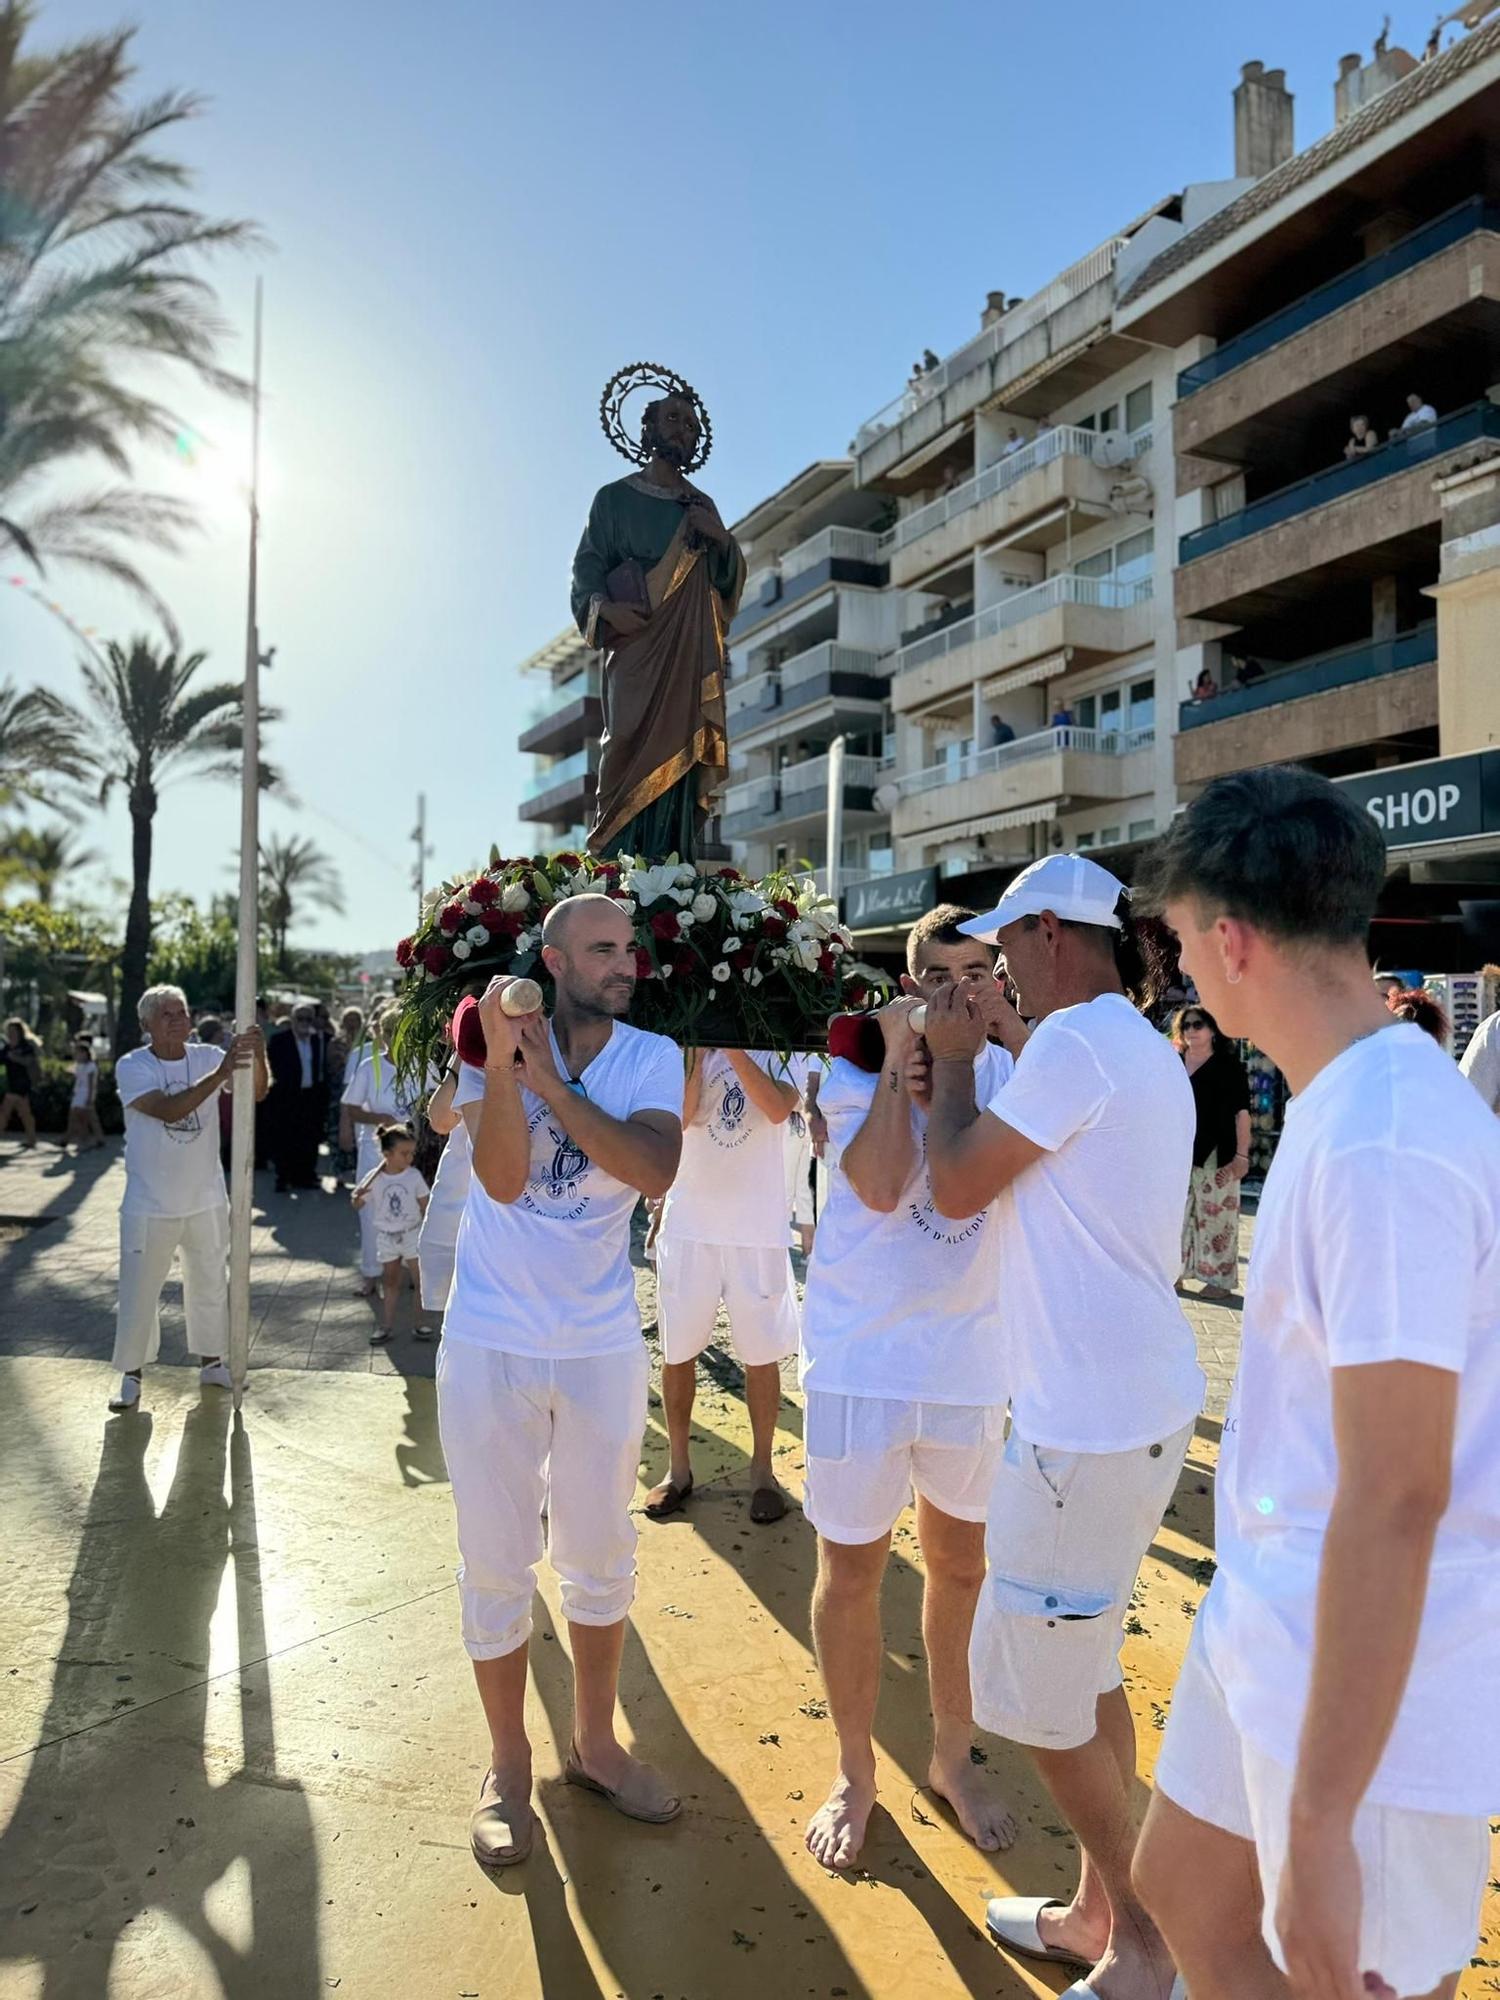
(1071, 886)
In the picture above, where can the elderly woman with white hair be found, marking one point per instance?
(175, 1201)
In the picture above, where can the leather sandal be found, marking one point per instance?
(767, 1505)
(497, 1834)
(667, 1499)
(621, 1800)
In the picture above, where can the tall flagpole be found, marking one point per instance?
(242, 1143)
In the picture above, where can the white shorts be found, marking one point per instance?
(755, 1285)
(866, 1455)
(1423, 1873)
(1067, 1531)
(148, 1243)
(520, 1434)
(402, 1246)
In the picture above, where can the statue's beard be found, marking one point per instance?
(674, 454)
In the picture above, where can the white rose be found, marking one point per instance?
(477, 934)
(686, 872)
(684, 920)
(808, 954)
(756, 975)
(470, 907)
(721, 971)
(461, 947)
(627, 904)
(682, 898)
(704, 906)
(514, 898)
(731, 946)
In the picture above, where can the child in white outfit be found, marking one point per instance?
(398, 1196)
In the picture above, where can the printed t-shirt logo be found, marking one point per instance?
(922, 1211)
(731, 1127)
(558, 1167)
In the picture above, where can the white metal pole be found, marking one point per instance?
(835, 834)
(242, 1142)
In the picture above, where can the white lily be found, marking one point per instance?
(514, 898)
(648, 884)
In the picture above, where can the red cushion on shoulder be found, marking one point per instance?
(466, 1032)
(858, 1039)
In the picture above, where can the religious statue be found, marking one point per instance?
(656, 584)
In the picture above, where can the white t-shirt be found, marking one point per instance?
(170, 1169)
(1091, 1234)
(905, 1305)
(1481, 1061)
(373, 1085)
(1410, 422)
(85, 1075)
(549, 1275)
(450, 1188)
(1378, 1239)
(731, 1185)
(395, 1199)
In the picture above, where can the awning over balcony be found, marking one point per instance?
(1050, 667)
(970, 829)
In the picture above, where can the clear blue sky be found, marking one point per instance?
(479, 212)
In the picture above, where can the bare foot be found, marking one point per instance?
(836, 1831)
(978, 1807)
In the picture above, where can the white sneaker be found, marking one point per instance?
(127, 1395)
(216, 1376)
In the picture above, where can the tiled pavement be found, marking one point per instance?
(58, 1271)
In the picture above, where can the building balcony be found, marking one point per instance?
(1239, 569)
(798, 796)
(1048, 768)
(564, 793)
(834, 555)
(830, 672)
(1457, 226)
(568, 723)
(1085, 619)
(1352, 700)
(1030, 500)
(1048, 349)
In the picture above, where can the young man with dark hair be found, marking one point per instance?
(1088, 1147)
(1332, 1754)
(906, 1385)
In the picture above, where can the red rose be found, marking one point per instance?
(772, 928)
(567, 861)
(787, 908)
(857, 993)
(450, 916)
(664, 924)
(437, 958)
(826, 962)
(730, 875)
(403, 952)
(643, 965)
(484, 890)
(501, 923)
(610, 870)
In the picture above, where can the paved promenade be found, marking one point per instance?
(240, 1738)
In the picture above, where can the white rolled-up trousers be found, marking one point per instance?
(521, 1434)
(148, 1243)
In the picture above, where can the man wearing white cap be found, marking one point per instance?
(1089, 1145)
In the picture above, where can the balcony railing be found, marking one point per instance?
(831, 544)
(1479, 420)
(754, 796)
(571, 767)
(1106, 593)
(1316, 675)
(1044, 743)
(976, 353)
(778, 687)
(1469, 216)
(811, 775)
(757, 691)
(1064, 441)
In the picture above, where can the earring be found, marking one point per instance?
(1233, 978)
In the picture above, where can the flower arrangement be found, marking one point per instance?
(721, 961)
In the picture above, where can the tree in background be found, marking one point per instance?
(195, 950)
(294, 872)
(42, 859)
(97, 256)
(47, 951)
(39, 739)
(148, 725)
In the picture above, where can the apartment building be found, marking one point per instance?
(1335, 582)
(562, 734)
(810, 660)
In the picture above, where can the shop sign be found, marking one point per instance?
(1447, 798)
(887, 900)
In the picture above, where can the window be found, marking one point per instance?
(1143, 704)
(1086, 711)
(1109, 418)
(1109, 836)
(1084, 840)
(1142, 829)
(1138, 408)
(882, 858)
(1133, 557)
(1099, 565)
(1085, 424)
(1110, 705)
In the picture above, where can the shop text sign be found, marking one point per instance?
(1447, 798)
(890, 899)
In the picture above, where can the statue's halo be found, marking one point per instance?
(649, 375)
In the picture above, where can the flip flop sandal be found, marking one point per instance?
(575, 1774)
(668, 1499)
(767, 1505)
(1011, 1921)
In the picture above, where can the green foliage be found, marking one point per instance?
(292, 873)
(49, 1103)
(39, 739)
(42, 858)
(193, 951)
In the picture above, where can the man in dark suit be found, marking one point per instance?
(299, 1099)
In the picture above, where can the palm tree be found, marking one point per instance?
(40, 737)
(43, 857)
(96, 249)
(146, 726)
(292, 870)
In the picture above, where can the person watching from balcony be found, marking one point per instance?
(1247, 672)
(1013, 442)
(1000, 732)
(1204, 688)
(1362, 438)
(1419, 414)
(929, 361)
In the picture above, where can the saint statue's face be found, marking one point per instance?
(672, 431)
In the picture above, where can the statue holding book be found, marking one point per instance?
(656, 584)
